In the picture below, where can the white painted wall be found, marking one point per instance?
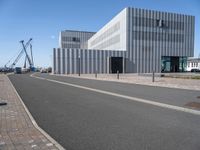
(112, 36)
(193, 65)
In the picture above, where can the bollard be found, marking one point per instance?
(96, 74)
(153, 76)
(79, 66)
(118, 74)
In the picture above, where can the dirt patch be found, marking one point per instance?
(195, 105)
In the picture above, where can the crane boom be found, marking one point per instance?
(27, 56)
(31, 54)
(20, 54)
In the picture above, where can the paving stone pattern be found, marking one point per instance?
(16, 128)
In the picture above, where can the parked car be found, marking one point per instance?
(43, 70)
(49, 69)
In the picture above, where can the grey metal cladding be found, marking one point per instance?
(58, 56)
(149, 42)
(150, 35)
(90, 60)
(74, 39)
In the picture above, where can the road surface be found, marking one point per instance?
(82, 119)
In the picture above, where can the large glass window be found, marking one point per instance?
(182, 64)
(166, 64)
(173, 64)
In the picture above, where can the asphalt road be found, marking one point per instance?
(85, 120)
(178, 97)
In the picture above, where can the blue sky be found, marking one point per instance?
(43, 19)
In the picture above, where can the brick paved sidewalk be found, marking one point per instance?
(17, 131)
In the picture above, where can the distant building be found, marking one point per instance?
(193, 63)
(134, 41)
(74, 39)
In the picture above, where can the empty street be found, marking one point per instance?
(83, 114)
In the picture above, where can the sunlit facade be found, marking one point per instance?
(134, 41)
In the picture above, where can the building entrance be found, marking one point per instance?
(174, 64)
(116, 64)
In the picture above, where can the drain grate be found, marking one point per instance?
(195, 105)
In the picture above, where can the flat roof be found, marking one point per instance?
(77, 31)
(193, 59)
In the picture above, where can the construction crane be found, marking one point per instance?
(32, 63)
(24, 50)
(31, 54)
(27, 56)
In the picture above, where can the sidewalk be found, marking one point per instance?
(190, 84)
(17, 128)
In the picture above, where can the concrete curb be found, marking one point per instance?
(34, 122)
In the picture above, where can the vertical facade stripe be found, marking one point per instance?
(145, 45)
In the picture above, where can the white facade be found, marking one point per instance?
(193, 64)
(113, 35)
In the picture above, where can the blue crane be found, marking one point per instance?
(24, 50)
(30, 60)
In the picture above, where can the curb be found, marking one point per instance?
(34, 122)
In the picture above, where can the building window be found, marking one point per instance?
(74, 39)
(159, 23)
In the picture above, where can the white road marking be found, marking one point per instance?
(177, 108)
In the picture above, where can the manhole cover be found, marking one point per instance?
(195, 105)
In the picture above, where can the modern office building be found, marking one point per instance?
(134, 41)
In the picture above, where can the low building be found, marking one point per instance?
(134, 41)
(193, 63)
